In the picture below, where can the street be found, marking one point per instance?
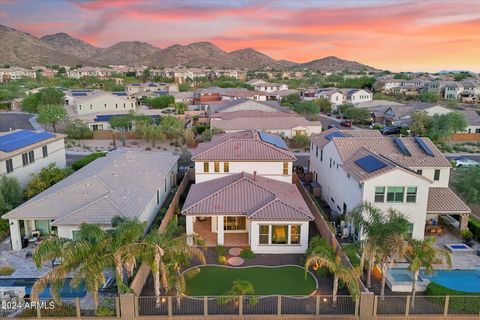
(326, 121)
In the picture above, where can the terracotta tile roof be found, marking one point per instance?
(240, 194)
(321, 141)
(259, 121)
(243, 145)
(444, 200)
(385, 146)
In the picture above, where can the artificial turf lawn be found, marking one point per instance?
(213, 280)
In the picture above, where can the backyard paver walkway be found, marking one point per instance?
(234, 251)
(463, 260)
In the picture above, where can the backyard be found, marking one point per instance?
(216, 280)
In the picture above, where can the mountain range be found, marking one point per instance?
(22, 49)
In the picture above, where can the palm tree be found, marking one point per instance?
(323, 256)
(86, 257)
(423, 254)
(166, 253)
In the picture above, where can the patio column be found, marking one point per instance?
(189, 227)
(15, 234)
(464, 221)
(220, 230)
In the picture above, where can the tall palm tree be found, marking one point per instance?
(324, 256)
(86, 257)
(166, 253)
(423, 254)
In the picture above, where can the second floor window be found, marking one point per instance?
(216, 166)
(411, 194)
(436, 175)
(25, 159)
(285, 168)
(226, 167)
(45, 151)
(395, 194)
(206, 167)
(379, 194)
(9, 164)
(31, 157)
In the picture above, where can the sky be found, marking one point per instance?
(397, 35)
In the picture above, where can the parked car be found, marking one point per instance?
(465, 162)
(390, 130)
(346, 123)
(330, 126)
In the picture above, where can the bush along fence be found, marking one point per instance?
(366, 306)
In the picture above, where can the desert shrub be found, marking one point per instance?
(80, 163)
(6, 270)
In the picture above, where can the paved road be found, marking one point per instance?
(326, 121)
(472, 157)
(14, 121)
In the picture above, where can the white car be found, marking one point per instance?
(465, 162)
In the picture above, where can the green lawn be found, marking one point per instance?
(213, 280)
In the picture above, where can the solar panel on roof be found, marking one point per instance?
(273, 139)
(400, 145)
(424, 146)
(335, 134)
(370, 163)
(20, 139)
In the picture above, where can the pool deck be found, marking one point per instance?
(24, 267)
(460, 260)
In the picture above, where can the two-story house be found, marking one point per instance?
(24, 152)
(269, 87)
(355, 96)
(407, 174)
(244, 195)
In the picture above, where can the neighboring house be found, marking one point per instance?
(215, 94)
(229, 73)
(331, 94)
(139, 88)
(185, 97)
(15, 73)
(269, 87)
(88, 102)
(355, 96)
(408, 174)
(25, 152)
(467, 91)
(124, 183)
(280, 94)
(284, 124)
(473, 120)
(244, 195)
(246, 104)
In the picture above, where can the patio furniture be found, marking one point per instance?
(431, 230)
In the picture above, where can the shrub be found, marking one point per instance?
(77, 129)
(6, 270)
(80, 163)
(247, 253)
(300, 141)
(222, 259)
(221, 250)
(466, 234)
(351, 252)
(474, 227)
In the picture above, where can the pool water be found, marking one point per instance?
(461, 280)
(459, 246)
(66, 292)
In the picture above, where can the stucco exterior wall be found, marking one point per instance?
(56, 154)
(104, 103)
(269, 169)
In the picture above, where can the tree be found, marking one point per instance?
(160, 102)
(305, 107)
(30, 103)
(423, 254)
(323, 256)
(291, 99)
(10, 194)
(300, 141)
(172, 127)
(357, 114)
(386, 234)
(443, 126)
(189, 136)
(466, 183)
(166, 253)
(120, 124)
(420, 122)
(426, 96)
(77, 129)
(324, 104)
(180, 107)
(86, 257)
(146, 74)
(52, 114)
(46, 178)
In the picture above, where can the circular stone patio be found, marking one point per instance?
(234, 251)
(235, 261)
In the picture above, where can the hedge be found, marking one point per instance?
(460, 304)
(474, 226)
(80, 163)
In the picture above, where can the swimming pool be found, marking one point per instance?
(66, 292)
(461, 280)
(400, 280)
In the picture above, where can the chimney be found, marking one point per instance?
(254, 175)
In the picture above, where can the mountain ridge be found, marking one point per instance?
(23, 49)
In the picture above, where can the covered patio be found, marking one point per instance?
(207, 229)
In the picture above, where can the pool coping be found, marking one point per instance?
(258, 266)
